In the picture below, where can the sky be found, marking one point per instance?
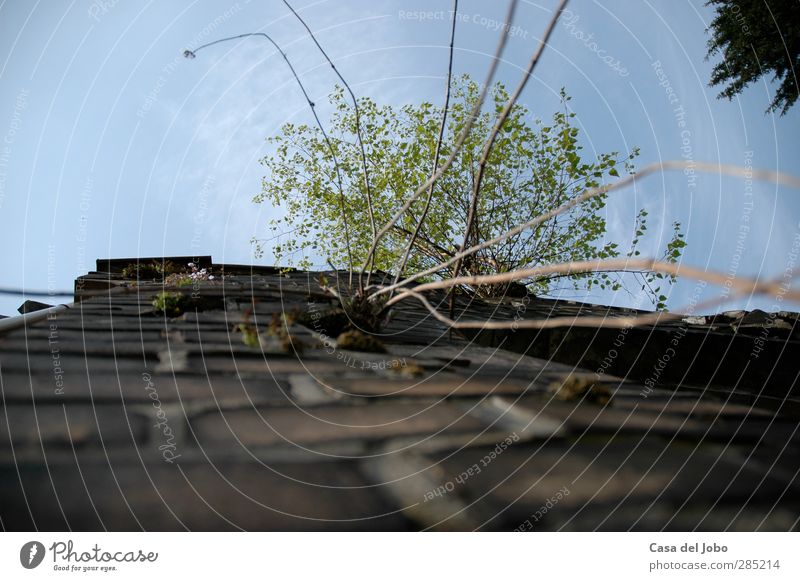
(114, 145)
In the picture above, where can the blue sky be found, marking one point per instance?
(113, 145)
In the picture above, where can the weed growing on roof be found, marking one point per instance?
(275, 337)
(357, 341)
(154, 270)
(189, 276)
(361, 311)
(577, 388)
(199, 273)
(403, 369)
(331, 322)
(169, 304)
(249, 334)
(365, 314)
(178, 280)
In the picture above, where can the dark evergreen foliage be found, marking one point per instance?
(755, 38)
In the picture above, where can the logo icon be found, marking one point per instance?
(31, 554)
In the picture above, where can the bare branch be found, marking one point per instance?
(438, 148)
(587, 321)
(735, 170)
(487, 148)
(368, 190)
(747, 286)
(612, 265)
(316, 118)
(462, 137)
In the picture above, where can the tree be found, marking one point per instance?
(756, 37)
(533, 168)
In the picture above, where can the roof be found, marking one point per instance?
(121, 418)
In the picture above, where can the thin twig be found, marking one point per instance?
(577, 321)
(319, 124)
(487, 149)
(462, 137)
(442, 128)
(750, 173)
(611, 265)
(368, 190)
(748, 286)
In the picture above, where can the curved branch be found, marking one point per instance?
(767, 175)
(436, 153)
(487, 148)
(615, 265)
(191, 54)
(462, 137)
(368, 190)
(744, 287)
(578, 321)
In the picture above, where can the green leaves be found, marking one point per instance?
(533, 168)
